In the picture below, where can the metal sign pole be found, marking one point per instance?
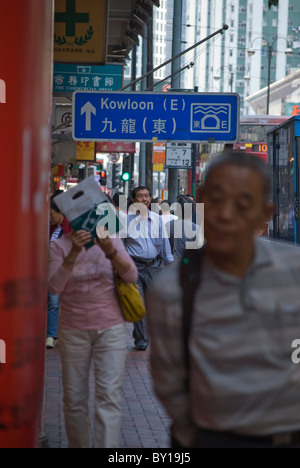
(219, 31)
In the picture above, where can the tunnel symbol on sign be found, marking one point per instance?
(208, 118)
(210, 122)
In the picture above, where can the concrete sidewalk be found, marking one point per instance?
(144, 424)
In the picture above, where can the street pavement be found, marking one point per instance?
(144, 421)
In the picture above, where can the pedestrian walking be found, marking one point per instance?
(223, 326)
(182, 232)
(120, 203)
(166, 213)
(148, 245)
(59, 226)
(91, 330)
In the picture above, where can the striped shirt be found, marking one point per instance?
(242, 376)
(56, 233)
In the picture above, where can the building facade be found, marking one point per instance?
(162, 44)
(224, 65)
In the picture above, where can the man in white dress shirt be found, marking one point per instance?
(148, 244)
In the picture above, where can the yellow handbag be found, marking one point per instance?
(131, 302)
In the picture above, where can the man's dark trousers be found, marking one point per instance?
(146, 275)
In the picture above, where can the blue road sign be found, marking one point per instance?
(147, 117)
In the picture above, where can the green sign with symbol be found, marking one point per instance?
(80, 31)
(71, 18)
(68, 78)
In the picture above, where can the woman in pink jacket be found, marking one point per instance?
(91, 329)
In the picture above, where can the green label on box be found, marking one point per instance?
(104, 215)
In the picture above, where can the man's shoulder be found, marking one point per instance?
(281, 251)
(281, 259)
(151, 215)
(154, 216)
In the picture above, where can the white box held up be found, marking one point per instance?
(85, 206)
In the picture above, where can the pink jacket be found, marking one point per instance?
(88, 300)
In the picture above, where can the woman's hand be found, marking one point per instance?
(104, 241)
(120, 265)
(80, 239)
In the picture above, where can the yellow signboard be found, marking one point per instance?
(159, 153)
(159, 157)
(86, 151)
(80, 31)
(158, 167)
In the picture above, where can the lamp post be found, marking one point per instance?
(217, 76)
(288, 52)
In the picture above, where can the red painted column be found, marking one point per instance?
(26, 36)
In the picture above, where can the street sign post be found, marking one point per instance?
(148, 117)
(179, 156)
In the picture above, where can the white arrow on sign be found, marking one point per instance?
(88, 109)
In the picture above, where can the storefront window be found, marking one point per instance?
(283, 225)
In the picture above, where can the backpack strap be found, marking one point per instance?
(190, 280)
(172, 235)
